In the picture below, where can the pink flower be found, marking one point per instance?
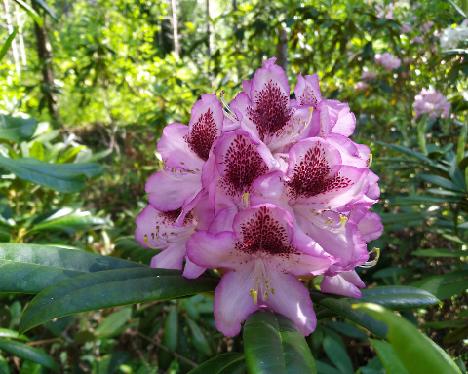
(427, 26)
(387, 61)
(417, 40)
(368, 75)
(431, 102)
(361, 86)
(406, 28)
(262, 255)
(268, 190)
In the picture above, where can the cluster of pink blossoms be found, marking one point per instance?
(268, 190)
(432, 103)
(387, 61)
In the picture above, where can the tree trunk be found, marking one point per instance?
(282, 47)
(44, 52)
(10, 27)
(175, 29)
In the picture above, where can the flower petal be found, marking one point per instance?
(172, 189)
(213, 250)
(240, 160)
(192, 270)
(307, 90)
(233, 303)
(345, 284)
(170, 258)
(175, 151)
(205, 125)
(291, 299)
(156, 229)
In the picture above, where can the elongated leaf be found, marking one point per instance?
(338, 355)
(439, 181)
(439, 252)
(199, 339)
(409, 152)
(29, 268)
(47, 9)
(68, 220)
(417, 352)
(11, 334)
(113, 324)
(399, 297)
(128, 248)
(225, 363)
(61, 177)
(28, 353)
(109, 288)
(170, 329)
(272, 345)
(16, 129)
(387, 356)
(342, 307)
(445, 286)
(6, 46)
(32, 13)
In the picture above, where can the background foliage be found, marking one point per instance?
(85, 90)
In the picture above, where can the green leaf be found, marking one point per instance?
(225, 363)
(6, 46)
(128, 248)
(61, 177)
(47, 9)
(342, 307)
(445, 286)
(199, 340)
(109, 288)
(387, 356)
(69, 220)
(28, 353)
(338, 355)
(113, 324)
(171, 329)
(16, 129)
(32, 13)
(399, 297)
(439, 252)
(272, 345)
(439, 181)
(419, 354)
(11, 334)
(29, 268)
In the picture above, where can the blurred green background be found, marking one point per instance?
(94, 83)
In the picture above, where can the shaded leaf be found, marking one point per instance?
(272, 345)
(28, 353)
(109, 288)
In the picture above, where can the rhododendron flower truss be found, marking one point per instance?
(269, 191)
(262, 256)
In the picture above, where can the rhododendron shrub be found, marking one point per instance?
(432, 103)
(269, 190)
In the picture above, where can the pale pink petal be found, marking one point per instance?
(156, 229)
(291, 299)
(307, 90)
(175, 151)
(192, 270)
(224, 220)
(170, 258)
(369, 223)
(339, 285)
(213, 250)
(233, 301)
(270, 188)
(170, 190)
(340, 239)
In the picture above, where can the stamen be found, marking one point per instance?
(254, 295)
(226, 109)
(246, 199)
